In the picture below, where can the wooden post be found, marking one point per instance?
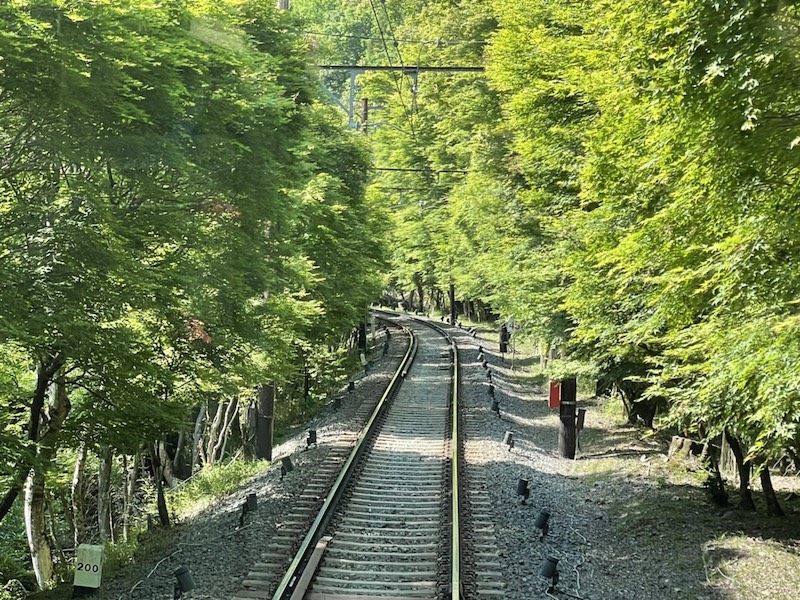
(567, 410)
(362, 336)
(452, 295)
(264, 421)
(365, 115)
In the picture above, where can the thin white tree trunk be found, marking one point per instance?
(131, 480)
(197, 438)
(213, 432)
(230, 413)
(35, 527)
(104, 493)
(34, 511)
(77, 488)
(168, 468)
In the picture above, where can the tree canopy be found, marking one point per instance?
(626, 189)
(179, 214)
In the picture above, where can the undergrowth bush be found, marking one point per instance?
(14, 559)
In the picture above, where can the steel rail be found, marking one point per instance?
(292, 575)
(455, 507)
(455, 483)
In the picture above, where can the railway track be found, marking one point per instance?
(389, 535)
(390, 523)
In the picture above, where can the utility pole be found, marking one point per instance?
(265, 420)
(567, 436)
(365, 115)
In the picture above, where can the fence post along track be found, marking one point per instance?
(389, 527)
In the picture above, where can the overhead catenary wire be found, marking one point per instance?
(390, 29)
(437, 42)
(396, 80)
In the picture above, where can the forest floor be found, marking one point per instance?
(663, 503)
(658, 520)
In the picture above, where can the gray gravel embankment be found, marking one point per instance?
(212, 545)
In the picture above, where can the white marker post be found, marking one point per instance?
(88, 566)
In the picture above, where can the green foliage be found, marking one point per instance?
(630, 195)
(14, 560)
(559, 369)
(178, 215)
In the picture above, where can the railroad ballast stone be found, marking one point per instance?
(220, 555)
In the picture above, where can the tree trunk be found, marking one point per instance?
(52, 535)
(44, 374)
(167, 466)
(745, 495)
(773, 506)
(179, 462)
(264, 422)
(230, 416)
(197, 437)
(104, 493)
(35, 527)
(78, 509)
(213, 432)
(716, 485)
(247, 428)
(35, 518)
(131, 479)
(158, 476)
(421, 294)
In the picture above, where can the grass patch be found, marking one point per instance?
(212, 483)
(750, 567)
(116, 558)
(193, 496)
(613, 409)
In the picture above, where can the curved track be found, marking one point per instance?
(382, 517)
(387, 538)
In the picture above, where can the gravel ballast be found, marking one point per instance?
(600, 557)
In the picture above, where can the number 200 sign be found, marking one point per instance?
(88, 566)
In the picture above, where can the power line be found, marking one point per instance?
(389, 58)
(404, 69)
(402, 64)
(391, 32)
(418, 170)
(437, 42)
